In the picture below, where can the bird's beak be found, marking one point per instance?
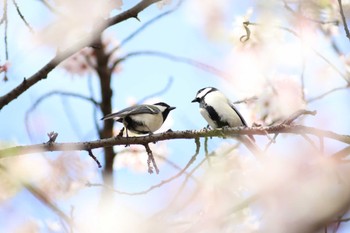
(171, 108)
(195, 100)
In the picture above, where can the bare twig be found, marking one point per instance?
(52, 137)
(5, 20)
(151, 160)
(53, 93)
(22, 16)
(246, 100)
(289, 121)
(95, 108)
(327, 93)
(48, 6)
(163, 182)
(94, 158)
(346, 29)
(321, 141)
(158, 93)
(312, 143)
(175, 166)
(200, 65)
(271, 141)
(343, 76)
(299, 15)
(206, 152)
(145, 25)
(297, 114)
(176, 196)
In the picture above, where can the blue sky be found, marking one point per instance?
(140, 77)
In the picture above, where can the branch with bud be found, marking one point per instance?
(284, 127)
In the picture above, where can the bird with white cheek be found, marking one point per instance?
(218, 110)
(142, 119)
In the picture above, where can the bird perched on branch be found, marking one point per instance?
(218, 110)
(142, 119)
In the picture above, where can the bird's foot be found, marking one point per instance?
(206, 128)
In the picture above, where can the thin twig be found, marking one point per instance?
(5, 18)
(297, 114)
(200, 65)
(94, 108)
(299, 15)
(22, 16)
(289, 121)
(72, 118)
(52, 93)
(151, 160)
(321, 140)
(312, 143)
(246, 100)
(158, 93)
(247, 37)
(177, 167)
(147, 24)
(48, 6)
(163, 182)
(177, 195)
(206, 150)
(327, 93)
(346, 29)
(94, 158)
(271, 141)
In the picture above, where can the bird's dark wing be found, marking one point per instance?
(240, 116)
(243, 121)
(133, 110)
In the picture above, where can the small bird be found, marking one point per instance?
(217, 109)
(142, 119)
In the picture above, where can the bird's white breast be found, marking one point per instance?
(222, 106)
(152, 122)
(206, 116)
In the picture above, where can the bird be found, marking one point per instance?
(218, 110)
(143, 118)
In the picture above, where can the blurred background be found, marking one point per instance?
(279, 56)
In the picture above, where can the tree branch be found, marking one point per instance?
(131, 13)
(187, 134)
(45, 70)
(346, 29)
